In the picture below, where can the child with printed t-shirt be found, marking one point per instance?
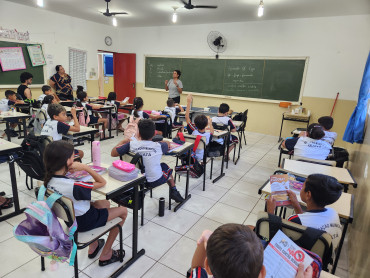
(173, 109)
(56, 126)
(6, 103)
(156, 173)
(224, 119)
(327, 123)
(311, 146)
(317, 192)
(198, 127)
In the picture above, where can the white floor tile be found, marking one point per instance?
(203, 224)
(198, 204)
(212, 191)
(247, 188)
(239, 200)
(6, 231)
(180, 255)
(226, 214)
(159, 270)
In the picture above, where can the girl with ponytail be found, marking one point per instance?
(58, 160)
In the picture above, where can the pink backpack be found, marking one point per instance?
(81, 117)
(132, 129)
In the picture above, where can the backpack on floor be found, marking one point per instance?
(43, 233)
(196, 169)
(132, 129)
(30, 158)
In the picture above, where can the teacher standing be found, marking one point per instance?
(174, 86)
(61, 82)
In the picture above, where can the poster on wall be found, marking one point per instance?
(36, 55)
(11, 58)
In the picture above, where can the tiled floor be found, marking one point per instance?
(169, 241)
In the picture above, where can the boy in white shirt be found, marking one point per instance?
(173, 109)
(318, 191)
(7, 102)
(224, 119)
(56, 126)
(47, 91)
(156, 173)
(327, 123)
(198, 127)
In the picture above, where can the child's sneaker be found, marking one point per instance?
(175, 195)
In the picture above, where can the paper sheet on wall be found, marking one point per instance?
(282, 257)
(11, 58)
(36, 55)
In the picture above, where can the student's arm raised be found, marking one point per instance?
(189, 99)
(200, 253)
(76, 126)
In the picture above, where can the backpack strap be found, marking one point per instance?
(196, 143)
(73, 254)
(41, 194)
(309, 238)
(275, 224)
(181, 136)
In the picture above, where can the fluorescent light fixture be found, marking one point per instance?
(260, 9)
(40, 3)
(174, 17)
(114, 21)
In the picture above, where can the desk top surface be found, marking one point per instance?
(237, 123)
(82, 130)
(11, 114)
(220, 133)
(186, 145)
(342, 206)
(113, 184)
(68, 109)
(305, 168)
(6, 145)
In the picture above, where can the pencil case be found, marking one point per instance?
(122, 175)
(123, 166)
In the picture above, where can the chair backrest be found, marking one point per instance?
(245, 116)
(220, 126)
(322, 247)
(63, 208)
(191, 139)
(135, 159)
(316, 161)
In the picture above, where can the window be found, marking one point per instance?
(77, 67)
(108, 64)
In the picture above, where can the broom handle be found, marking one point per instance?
(335, 102)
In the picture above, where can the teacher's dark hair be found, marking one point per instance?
(57, 67)
(178, 73)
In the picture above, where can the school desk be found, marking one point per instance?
(107, 109)
(127, 107)
(288, 116)
(15, 115)
(305, 169)
(224, 134)
(237, 124)
(84, 130)
(115, 188)
(8, 149)
(67, 103)
(344, 208)
(186, 147)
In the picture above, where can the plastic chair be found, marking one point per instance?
(63, 209)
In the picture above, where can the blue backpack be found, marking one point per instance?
(43, 232)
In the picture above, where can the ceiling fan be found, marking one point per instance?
(189, 6)
(108, 13)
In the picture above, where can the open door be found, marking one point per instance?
(124, 72)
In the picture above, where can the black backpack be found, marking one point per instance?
(238, 117)
(30, 158)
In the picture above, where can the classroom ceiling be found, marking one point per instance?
(159, 12)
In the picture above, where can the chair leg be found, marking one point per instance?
(42, 263)
(279, 159)
(151, 193)
(210, 174)
(142, 208)
(120, 243)
(169, 198)
(76, 266)
(245, 141)
(204, 177)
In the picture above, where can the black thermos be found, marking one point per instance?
(161, 206)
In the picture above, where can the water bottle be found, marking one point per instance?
(96, 153)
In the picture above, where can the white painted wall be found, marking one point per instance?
(58, 32)
(337, 47)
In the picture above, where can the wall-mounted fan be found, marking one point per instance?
(108, 13)
(189, 6)
(216, 42)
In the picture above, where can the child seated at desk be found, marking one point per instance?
(56, 126)
(6, 104)
(232, 250)
(327, 123)
(139, 113)
(173, 109)
(49, 99)
(90, 214)
(82, 102)
(201, 122)
(317, 192)
(313, 146)
(112, 99)
(47, 91)
(224, 119)
(156, 173)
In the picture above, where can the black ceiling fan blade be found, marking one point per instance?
(206, 7)
(118, 13)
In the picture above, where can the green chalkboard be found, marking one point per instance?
(267, 79)
(12, 77)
